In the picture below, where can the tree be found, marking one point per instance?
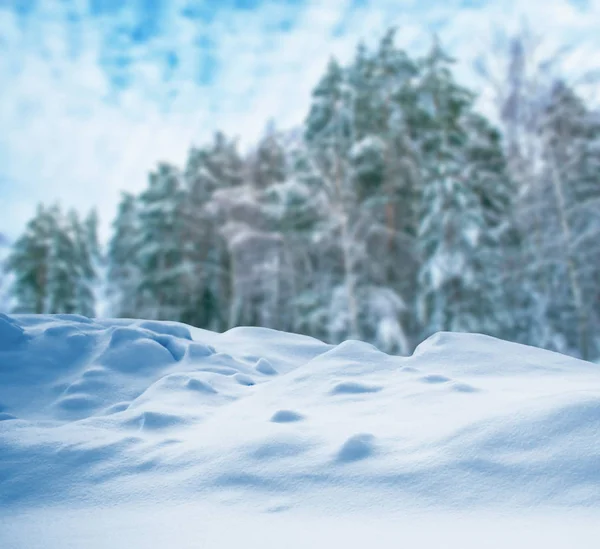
(164, 249)
(63, 276)
(258, 263)
(571, 208)
(124, 277)
(267, 163)
(29, 263)
(358, 147)
(210, 170)
(52, 265)
(465, 197)
(521, 89)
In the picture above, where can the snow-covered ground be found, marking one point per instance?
(139, 434)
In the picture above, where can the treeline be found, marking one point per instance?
(54, 263)
(396, 211)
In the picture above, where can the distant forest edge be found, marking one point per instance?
(396, 211)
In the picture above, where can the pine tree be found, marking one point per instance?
(29, 263)
(267, 164)
(387, 170)
(521, 92)
(329, 132)
(211, 171)
(165, 270)
(297, 207)
(571, 208)
(464, 200)
(123, 274)
(64, 263)
(72, 272)
(87, 257)
(258, 264)
(52, 267)
(356, 137)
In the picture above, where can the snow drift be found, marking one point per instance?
(99, 411)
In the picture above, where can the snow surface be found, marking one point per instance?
(130, 433)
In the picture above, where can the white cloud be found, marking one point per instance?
(68, 136)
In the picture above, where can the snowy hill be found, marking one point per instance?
(137, 414)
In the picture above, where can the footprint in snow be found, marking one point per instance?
(464, 388)
(354, 388)
(243, 379)
(434, 378)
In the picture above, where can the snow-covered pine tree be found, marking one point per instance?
(522, 78)
(387, 173)
(259, 267)
(329, 132)
(90, 230)
(84, 235)
(350, 149)
(215, 168)
(298, 216)
(166, 272)
(29, 263)
(570, 205)
(52, 264)
(464, 201)
(72, 271)
(267, 164)
(123, 273)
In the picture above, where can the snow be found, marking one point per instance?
(130, 433)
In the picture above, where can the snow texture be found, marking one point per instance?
(118, 416)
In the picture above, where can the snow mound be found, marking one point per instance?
(121, 410)
(356, 448)
(264, 367)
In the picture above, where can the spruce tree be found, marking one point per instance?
(29, 263)
(570, 198)
(356, 138)
(267, 163)
(165, 271)
(52, 266)
(210, 171)
(87, 257)
(64, 266)
(464, 199)
(123, 274)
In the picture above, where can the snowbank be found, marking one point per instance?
(100, 413)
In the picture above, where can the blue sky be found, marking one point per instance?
(93, 93)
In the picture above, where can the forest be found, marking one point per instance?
(395, 211)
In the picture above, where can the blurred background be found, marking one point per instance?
(368, 169)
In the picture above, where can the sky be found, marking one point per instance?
(94, 93)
